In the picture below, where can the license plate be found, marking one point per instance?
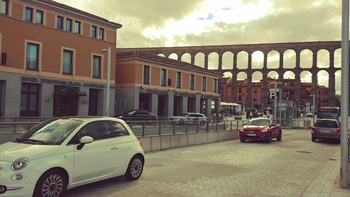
(251, 134)
(325, 130)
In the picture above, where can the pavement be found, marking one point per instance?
(327, 182)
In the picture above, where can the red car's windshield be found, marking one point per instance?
(259, 122)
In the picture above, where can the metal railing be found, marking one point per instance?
(154, 127)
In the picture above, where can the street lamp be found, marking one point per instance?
(108, 79)
(313, 107)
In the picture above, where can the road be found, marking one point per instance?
(228, 168)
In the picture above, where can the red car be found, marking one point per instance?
(261, 129)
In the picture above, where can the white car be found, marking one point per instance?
(190, 118)
(67, 152)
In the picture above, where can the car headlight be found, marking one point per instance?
(264, 130)
(20, 163)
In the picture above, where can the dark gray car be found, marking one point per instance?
(326, 129)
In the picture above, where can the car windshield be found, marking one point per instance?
(52, 132)
(259, 122)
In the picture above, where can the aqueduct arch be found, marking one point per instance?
(279, 48)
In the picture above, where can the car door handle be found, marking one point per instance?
(115, 147)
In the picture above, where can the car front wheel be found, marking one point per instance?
(269, 138)
(52, 183)
(242, 140)
(135, 168)
(279, 137)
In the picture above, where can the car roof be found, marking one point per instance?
(87, 118)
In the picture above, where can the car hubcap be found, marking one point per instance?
(52, 186)
(136, 167)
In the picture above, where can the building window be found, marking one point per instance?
(39, 17)
(192, 82)
(240, 97)
(178, 79)
(59, 22)
(69, 25)
(67, 67)
(101, 34)
(215, 86)
(29, 14)
(239, 90)
(255, 90)
(255, 98)
(29, 100)
(32, 58)
(96, 67)
(145, 74)
(4, 7)
(204, 84)
(93, 31)
(77, 27)
(163, 77)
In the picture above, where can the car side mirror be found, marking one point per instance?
(84, 140)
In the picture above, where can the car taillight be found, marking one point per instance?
(313, 128)
(338, 130)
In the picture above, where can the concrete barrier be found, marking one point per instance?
(162, 142)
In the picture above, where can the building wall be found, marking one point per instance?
(166, 100)
(16, 33)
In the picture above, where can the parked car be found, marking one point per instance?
(67, 152)
(261, 129)
(137, 115)
(189, 118)
(325, 129)
(309, 114)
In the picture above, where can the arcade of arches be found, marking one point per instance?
(296, 60)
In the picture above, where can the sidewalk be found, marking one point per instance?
(327, 181)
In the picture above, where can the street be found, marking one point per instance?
(228, 168)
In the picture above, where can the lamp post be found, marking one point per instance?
(313, 107)
(108, 79)
(275, 101)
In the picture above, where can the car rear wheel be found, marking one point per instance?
(269, 138)
(313, 139)
(52, 183)
(279, 137)
(135, 168)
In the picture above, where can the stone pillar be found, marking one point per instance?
(206, 64)
(198, 102)
(154, 103)
(184, 104)
(170, 103)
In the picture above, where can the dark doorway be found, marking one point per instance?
(144, 102)
(65, 102)
(177, 105)
(162, 105)
(191, 104)
(93, 101)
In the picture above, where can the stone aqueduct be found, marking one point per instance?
(297, 47)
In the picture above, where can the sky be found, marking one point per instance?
(159, 23)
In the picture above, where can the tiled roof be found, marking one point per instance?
(72, 9)
(162, 60)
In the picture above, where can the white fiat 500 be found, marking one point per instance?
(67, 152)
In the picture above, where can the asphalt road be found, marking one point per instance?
(228, 168)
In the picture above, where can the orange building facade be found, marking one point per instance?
(51, 61)
(165, 87)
